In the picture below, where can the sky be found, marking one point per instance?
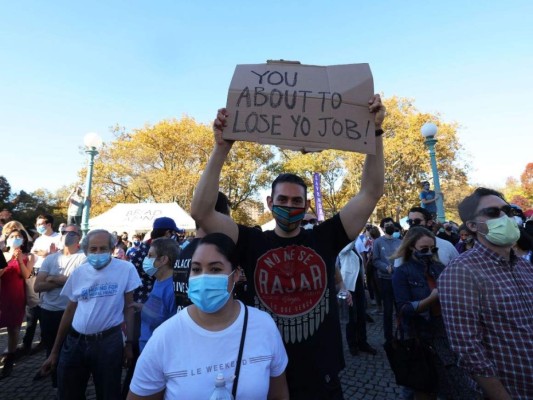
(68, 68)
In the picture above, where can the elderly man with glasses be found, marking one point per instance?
(487, 302)
(54, 272)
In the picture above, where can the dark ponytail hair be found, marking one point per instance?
(224, 244)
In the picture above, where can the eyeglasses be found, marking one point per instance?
(312, 221)
(416, 221)
(495, 212)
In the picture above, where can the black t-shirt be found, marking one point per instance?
(293, 279)
(182, 270)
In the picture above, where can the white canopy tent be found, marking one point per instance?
(139, 217)
(269, 226)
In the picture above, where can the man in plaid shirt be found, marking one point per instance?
(486, 296)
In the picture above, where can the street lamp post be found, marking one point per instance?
(429, 131)
(92, 141)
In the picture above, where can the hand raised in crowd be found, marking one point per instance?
(376, 107)
(218, 126)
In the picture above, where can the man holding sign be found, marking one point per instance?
(290, 270)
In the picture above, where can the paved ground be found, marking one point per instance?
(365, 377)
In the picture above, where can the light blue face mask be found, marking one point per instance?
(41, 229)
(148, 266)
(209, 292)
(14, 243)
(98, 260)
(396, 235)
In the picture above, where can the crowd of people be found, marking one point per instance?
(258, 312)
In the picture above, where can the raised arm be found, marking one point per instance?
(205, 195)
(355, 214)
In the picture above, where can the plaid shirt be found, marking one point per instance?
(487, 305)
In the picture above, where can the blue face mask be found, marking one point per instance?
(98, 260)
(41, 229)
(136, 243)
(14, 243)
(148, 266)
(396, 235)
(209, 292)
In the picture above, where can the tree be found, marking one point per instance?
(28, 206)
(406, 164)
(163, 162)
(5, 192)
(520, 192)
(526, 180)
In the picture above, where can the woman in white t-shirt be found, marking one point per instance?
(186, 353)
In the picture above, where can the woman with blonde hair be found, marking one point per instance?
(416, 294)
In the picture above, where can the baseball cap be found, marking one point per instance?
(165, 223)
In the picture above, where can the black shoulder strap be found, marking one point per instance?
(239, 357)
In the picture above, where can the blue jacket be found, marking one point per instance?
(410, 286)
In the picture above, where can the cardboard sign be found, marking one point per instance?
(302, 107)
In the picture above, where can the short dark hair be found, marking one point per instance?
(47, 217)
(222, 205)
(384, 221)
(288, 178)
(468, 206)
(423, 211)
(224, 244)
(167, 247)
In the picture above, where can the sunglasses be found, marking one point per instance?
(427, 250)
(416, 221)
(309, 221)
(495, 212)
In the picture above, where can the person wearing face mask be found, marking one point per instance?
(487, 303)
(53, 275)
(415, 290)
(419, 216)
(447, 233)
(135, 243)
(161, 304)
(12, 291)
(466, 240)
(291, 271)
(161, 227)
(383, 249)
(47, 243)
(89, 340)
(231, 339)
